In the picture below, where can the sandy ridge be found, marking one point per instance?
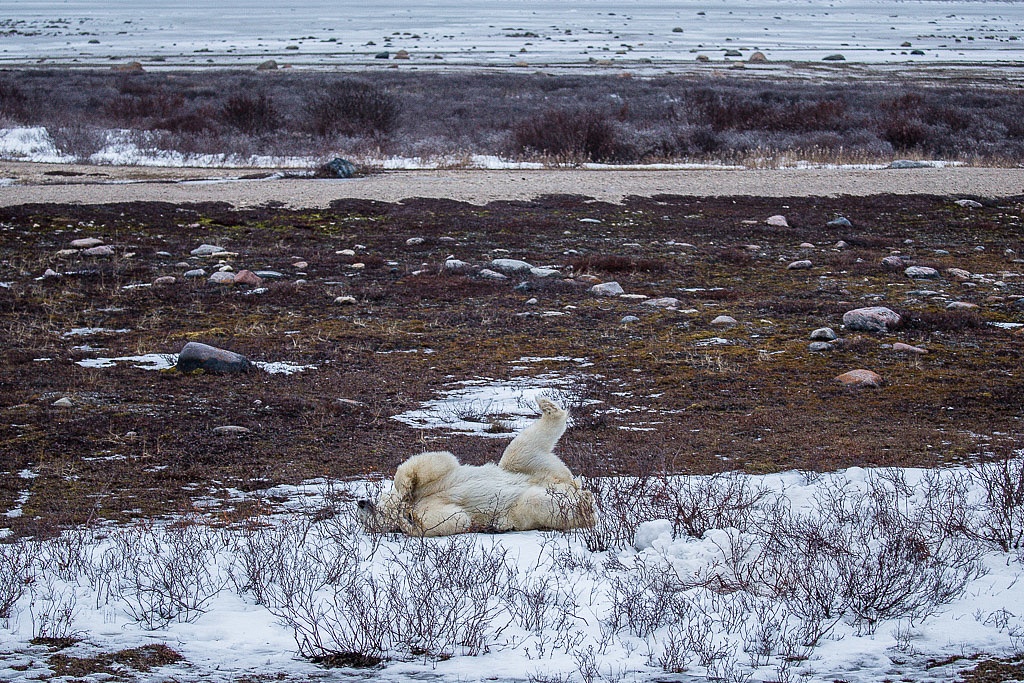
(102, 184)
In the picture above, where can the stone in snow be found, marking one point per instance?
(206, 250)
(871, 319)
(860, 378)
(196, 356)
(921, 272)
(607, 289)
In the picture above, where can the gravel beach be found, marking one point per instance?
(45, 183)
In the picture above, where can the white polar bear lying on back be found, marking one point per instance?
(530, 488)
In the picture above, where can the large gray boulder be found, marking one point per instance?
(871, 319)
(196, 356)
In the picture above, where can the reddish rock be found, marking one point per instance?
(860, 378)
(900, 347)
(247, 277)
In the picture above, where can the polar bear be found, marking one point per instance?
(530, 488)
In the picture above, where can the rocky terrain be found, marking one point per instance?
(686, 334)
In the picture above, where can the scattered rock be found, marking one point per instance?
(382, 55)
(402, 54)
(703, 58)
(894, 261)
(206, 250)
(101, 250)
(164, 280)
(511, 265)
(960, 306)
(269, 274)
(454, 265)
(544, 272)
(958, 274)
(607, 289)
(663, 302)
(921, 272)
(300, 265)
(345, 300)
(819, 346)
(197, 272)
(129, 68)
(724, 320)
(248, 278)
(871, 319)
(414, 241)
(800, 265)
(86, 242)
(49, 273)
(196, 356)
(733, 53)
(806, 245)
(757, 58)
(900, 347)
(64, 402)
(337, 168)
(269, 65)
(841, 244)
(588, 279)
(234, 430)
(777, 221)
(222, 277)
(824, 334)
(488, 274)
(968, 203)
(834, 58)
(840, 222)
(860, 378)
(629, 319)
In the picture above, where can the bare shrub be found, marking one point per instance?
(52, 609)
(16, 559)
(719, 501)
(353, 108)
(646, 598)
(254, 114)
(569, 137)
(622, 505)
(1000, 519)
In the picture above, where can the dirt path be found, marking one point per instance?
(41, 183)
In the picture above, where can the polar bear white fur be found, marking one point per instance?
(530, 488)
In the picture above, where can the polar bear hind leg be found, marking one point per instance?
(431, 517)
(531, 452)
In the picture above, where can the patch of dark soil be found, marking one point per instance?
(671, 392)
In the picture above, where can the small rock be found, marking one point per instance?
(129, 67)
(958, 274)
(531, 301)
(231, 430)
(806, 245)
(834, 58)
(841, 244)
(757, 58)
(871, 319)
(663, 302)
(544, 272)
(337, 168)
(824, 334)
(901, 164)
(86, 242)
(454, 265)
(402, 54)
(49, 273)
(607, 289)
(164, 280)
(63, 403)
(900, 347)
(488, 274)
(819, 346)
(960, 306)
(101, 250)
(800, 265)
(222, 278)
(414, 241)
(840, 222)
(196, 356)
(345, 300)
(968, 203)
(269, 65)
(893, 262)
(269, 274)
(724, 320)
(300, 265)
(921, 272)
(206, 250)
(588, 279)
(248, 278)
(197, 272)
(511, 265)
(777, 221)
(629, 319)
(860, 378)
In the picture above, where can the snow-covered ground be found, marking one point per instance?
(541, 606)
(643, 33)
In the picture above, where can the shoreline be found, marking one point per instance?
(33, 183)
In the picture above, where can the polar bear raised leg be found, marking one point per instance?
(531, 452)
